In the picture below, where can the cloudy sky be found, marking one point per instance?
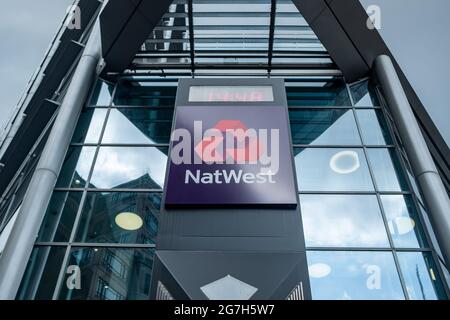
(417, 33)
(415, 30)
(26, 29)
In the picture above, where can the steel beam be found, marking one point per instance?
(422, 163)
(18, 249)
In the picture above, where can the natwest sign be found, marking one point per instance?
(235, 155)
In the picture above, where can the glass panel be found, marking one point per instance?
(6, 232)
(110, 274)
(373, 127)
(131, 125)
(428, 226)
(324, 127)
(403, 221)
(102, 94)
(421, 276)
(343, 221)
(317, 93)
(353, 275)
(364, 95)
(89, 126)
(332, 170)
(59, 217)
(42, 273)
(119, 217)
(144, 94)
(76, 167)
(130, 167)
(412, 179)
(387, 170)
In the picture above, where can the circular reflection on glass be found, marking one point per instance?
(319, 270)
(345, 162)
(401, 225)
(129, 221)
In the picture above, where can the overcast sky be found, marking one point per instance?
(417, 32)
(26, 29)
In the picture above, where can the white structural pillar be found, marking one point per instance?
(422, 163)
(13, 261)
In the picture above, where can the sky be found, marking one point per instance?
(418, 34)
(26, 29)
(412, 29)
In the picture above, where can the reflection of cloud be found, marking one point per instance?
(95, 126)
(348, 276)
(118, 165)
(332, 220)
(401, 221)
(342, 131)
(121, 130)
(315, 174)
(85, 162)
(394, 205)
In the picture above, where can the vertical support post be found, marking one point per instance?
(422, 163)
(20, 244)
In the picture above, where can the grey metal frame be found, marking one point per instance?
(422, 163)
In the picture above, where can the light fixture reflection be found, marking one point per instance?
(319, 270)
(345, 162)
(129, 221)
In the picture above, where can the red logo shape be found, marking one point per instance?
(247, 148)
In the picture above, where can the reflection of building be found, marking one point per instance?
(109, 274)
(357, 164)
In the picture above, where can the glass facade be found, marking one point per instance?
(363, 232)
(364, 227)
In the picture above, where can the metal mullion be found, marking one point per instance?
(51, 244)
(135, 145)
(65, 260)
(191, 35)
(350, 192)
(369, 249)
(96, 107)
(383, 215)
(112, 245)
(227, 66)
(338, 146)
(124, 190)
(162, 107)
(402, 158)
(81, 144)
(273, 9)
(311, 107)
(62, 272)
(68, 189)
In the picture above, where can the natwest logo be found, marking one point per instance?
(229, 142)
(245, 145)
(233, 151)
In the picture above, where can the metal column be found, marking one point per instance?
(422, 163)
(20, 244)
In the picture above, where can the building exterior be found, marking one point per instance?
(93, 204)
